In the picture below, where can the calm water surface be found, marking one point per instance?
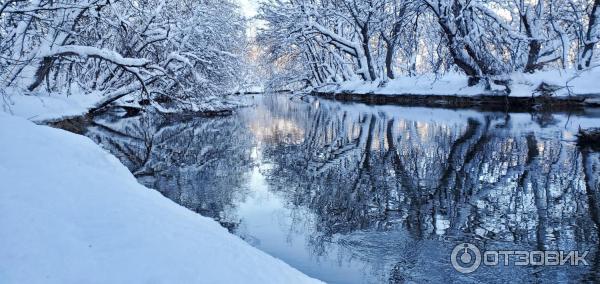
(349, 193)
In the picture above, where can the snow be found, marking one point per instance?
(426, 85)
(523, 84)
(89, 51)
(42, 107)
(578, 82)
(71, 213)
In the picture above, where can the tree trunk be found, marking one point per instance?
(365, 46)
(389, 58)
(462, 63)
(391, 49)
(534, 47)
(41, 72)
(588, 48)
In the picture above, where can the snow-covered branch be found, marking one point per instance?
(333, 40)
(187, 49)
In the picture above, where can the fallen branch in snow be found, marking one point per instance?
(115, 95)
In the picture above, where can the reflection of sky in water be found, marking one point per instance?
(268, 224)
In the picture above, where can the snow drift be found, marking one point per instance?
(71, 213)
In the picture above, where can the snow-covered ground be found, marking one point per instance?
(72, 213)
(571, 82)
(41, 107)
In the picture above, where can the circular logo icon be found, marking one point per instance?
(466, 258)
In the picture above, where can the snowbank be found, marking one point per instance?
(44, 107)
(71, 213)
(572, 82)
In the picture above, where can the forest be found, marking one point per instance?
(320, 42)
(185, 51)
(176, 51)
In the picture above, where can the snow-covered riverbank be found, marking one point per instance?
(565, 84)
(72, 213)
(42, 107)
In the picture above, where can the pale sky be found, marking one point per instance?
(248, 7)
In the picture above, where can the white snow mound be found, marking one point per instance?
(72, 213)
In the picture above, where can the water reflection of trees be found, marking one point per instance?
(480, 179)
(200, 163)
(359, 170)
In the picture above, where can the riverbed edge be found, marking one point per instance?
(479, 102)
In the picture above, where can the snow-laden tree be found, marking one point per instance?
(591, 35)
(332, 37)
(176, 51)
(374, 40)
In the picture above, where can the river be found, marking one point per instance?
(351, 193)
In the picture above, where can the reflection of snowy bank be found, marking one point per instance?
(72, 213)
(543, 123)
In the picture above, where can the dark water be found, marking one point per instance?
(363, 194)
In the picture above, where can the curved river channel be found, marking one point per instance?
(350, 193)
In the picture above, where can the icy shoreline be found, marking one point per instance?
(73, 213)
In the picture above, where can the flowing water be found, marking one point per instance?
(349, 193)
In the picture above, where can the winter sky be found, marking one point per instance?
(248, 7)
